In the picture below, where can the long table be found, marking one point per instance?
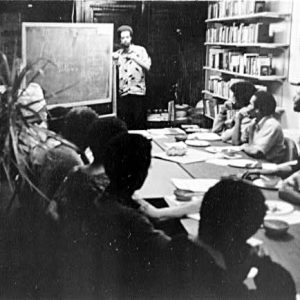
(285, 251)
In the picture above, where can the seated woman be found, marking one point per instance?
(89, 181)
(242, 92)
(66, 152)
(263, 138)
(216, 265)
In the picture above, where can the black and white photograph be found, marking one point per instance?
(149, 149)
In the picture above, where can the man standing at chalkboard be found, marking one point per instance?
(133, 61)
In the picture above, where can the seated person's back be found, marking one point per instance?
(219, 261)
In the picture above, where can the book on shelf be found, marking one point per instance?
(227, 8)
(239, 62)
(252, 33)
(264, 65)
(219, 87)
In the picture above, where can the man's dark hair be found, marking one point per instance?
(126, 160)
(231, 212)
(56, 118)
(101, 132)
(243, 91)
(77, 124)
(124, 28)
(265, 102)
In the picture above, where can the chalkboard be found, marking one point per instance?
(81, 61)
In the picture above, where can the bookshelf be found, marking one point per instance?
(253, 17)
(250, 45)
(270, 78)
(241, 44)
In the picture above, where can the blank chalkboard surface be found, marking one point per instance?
(82, 60)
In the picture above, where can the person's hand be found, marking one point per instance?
(115, 56)
(226, 106)
(195, 204)
(242, 113)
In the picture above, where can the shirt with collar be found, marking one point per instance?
(267, 136)
(131, 74)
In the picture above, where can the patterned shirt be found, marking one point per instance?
(131, 74)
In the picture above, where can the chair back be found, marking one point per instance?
(291, 150)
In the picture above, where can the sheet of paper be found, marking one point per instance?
(219, 161)
(191, 156)
(195, 185)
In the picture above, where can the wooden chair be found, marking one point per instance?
(291, 152)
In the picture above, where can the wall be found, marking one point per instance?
(173, 32)
(291, 119)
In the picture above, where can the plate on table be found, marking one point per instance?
(278, 208)
(268, 182)
(208, 136)
(197, 143)
(243, 163)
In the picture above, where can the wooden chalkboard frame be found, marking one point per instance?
(101, 27)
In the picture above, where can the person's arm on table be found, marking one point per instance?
(282, 170)
(166, 213)
(289, 190)
(252, 151)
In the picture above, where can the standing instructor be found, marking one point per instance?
(133, 61)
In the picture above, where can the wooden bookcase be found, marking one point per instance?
(241, 44)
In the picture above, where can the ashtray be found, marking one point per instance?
(275, 228)
(183, 195)
(180, 137)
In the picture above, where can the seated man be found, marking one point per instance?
(216, 267)
(223, 123)
(68, 152)
(263, 138)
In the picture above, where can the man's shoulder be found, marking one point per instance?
(137, 48)
(273, 123)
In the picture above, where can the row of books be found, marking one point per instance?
(218, 86)
(243, 63)
(226, 8)
(252, 33)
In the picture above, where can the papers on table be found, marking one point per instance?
(166, 131)
(191, 156)
(194, 185)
